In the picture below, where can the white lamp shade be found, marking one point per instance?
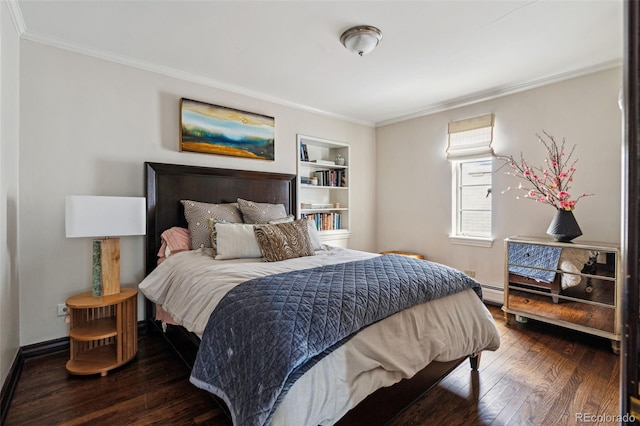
(93, 216)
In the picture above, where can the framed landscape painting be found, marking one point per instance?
(214, 129)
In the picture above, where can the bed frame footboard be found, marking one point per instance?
(387, 403)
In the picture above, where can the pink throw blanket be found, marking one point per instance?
(174, 240)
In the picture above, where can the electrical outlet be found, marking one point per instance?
(470, 273)
(62, 310)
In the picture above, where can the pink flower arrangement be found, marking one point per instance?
(549, 184)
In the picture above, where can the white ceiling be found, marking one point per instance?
(434, 54)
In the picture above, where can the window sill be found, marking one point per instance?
(471, 241)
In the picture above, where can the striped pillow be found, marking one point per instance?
(284, 240)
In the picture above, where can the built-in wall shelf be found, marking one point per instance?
(323, 180)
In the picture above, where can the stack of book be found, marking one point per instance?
(310, 206)
(335, 177)
(324, 162)
(324, 221)
(304, 155)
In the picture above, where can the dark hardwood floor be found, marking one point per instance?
(541, 375)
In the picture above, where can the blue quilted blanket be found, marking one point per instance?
(266, 332)
(536, 256)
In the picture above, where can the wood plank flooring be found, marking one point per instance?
(541, 375)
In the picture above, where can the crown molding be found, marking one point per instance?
(503, 91)
(16, 16)
(182, 75)
(198, 79)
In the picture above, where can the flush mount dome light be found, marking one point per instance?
(362, 39)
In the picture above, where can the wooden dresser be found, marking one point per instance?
(580, 290)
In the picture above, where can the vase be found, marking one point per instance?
(564, 226)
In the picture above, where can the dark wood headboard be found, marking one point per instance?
(167, 184)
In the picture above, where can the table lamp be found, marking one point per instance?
(105, 218)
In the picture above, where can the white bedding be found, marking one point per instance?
(189, 285)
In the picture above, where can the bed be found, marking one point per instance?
(167, 185)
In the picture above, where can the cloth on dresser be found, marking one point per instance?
(537, 257)
(572, 260)
(532, 256)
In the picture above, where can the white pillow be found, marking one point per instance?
(236, 240)
(313, 235)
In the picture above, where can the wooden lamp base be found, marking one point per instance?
(106, 267)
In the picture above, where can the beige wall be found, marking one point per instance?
(414, 178)
(9, 123)
(87, 125)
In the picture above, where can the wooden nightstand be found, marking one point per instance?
(104, 331)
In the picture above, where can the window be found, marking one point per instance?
(472, 198)
(470, 152)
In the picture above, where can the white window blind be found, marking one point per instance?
(471, 137)
(470, 152)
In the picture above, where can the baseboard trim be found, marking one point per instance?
(32, 351)
(45, 348)
(10, 384)
(493, 295)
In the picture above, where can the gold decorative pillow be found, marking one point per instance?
(283, 241)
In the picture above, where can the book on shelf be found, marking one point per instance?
(310, 206)
(335, 177)
(325, 221)
(304, 155)
(324, 162)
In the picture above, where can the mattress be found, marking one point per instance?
(189, 285)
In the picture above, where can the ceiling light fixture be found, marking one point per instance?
(361, 39)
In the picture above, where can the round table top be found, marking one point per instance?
(86, 300)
